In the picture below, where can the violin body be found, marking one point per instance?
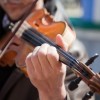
(44, 23)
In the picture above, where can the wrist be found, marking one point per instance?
(58, 94)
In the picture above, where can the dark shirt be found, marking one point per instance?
(4, 74)
(1, 18)
(4, 71)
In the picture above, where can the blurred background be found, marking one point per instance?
(84, 15)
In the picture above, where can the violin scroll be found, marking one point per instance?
(90, 78)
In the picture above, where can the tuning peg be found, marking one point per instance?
(88, 95)
(74, 84)
(91, 60)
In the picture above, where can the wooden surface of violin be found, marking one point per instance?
(44, 23)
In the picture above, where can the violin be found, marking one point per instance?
(40, 20)
(36, 31)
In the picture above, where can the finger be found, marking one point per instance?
(61, 42)
(42, 55)
(35, 60)
(69, 36)
(33, 64)
(29, 65)
(53, 57)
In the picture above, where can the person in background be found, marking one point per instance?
(47, 74)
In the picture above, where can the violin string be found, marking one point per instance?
(31, 38)
(24, 27)
(52, 43)
(63, 54)
(36, 38)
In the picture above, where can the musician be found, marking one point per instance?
(45, 71)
